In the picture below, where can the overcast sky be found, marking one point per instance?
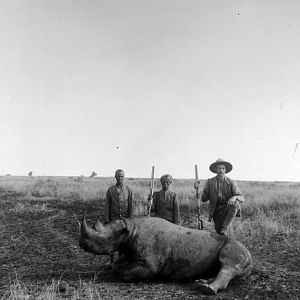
(91, 85)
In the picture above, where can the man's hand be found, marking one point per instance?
(234, 199)
(197, 184)
(210, 219)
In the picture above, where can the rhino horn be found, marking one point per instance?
(100, 233)
(86, 230)
(84, 227)
(98, 226)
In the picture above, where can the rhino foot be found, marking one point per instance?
(201, 281)
(207, 289)
(204, 281)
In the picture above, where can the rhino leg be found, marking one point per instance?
(220, 282)
(236, 261)
(130, 271)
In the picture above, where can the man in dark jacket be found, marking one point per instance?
(223, 194)
(165, 203)
(118, 202)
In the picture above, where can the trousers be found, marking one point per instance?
(224, 215)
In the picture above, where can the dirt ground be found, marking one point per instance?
(39, 243)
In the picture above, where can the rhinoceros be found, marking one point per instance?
(152, 248)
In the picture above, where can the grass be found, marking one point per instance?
(55, 290)
(270, 207)
(270, 213)
(84, 290)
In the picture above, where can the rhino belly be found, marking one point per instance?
(185, 258)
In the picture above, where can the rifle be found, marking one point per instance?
(199, 221)
(151, 191)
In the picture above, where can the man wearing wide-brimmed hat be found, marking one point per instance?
(224, 196)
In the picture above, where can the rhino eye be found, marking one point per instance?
(100, 241)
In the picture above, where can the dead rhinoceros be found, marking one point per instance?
(155, 248)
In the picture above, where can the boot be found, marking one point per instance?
(223, 231)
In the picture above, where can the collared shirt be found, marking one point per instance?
(165, 206)
(221, 192)
(118, 203)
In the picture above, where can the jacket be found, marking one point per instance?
(210, 192)
(165, 206)
(118, 204)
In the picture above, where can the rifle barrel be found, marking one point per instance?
(152, 178)
(196, 172)
(199, 221)
(151, 191)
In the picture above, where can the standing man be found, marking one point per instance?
(224, 196)
(165, 204)
(118, 202)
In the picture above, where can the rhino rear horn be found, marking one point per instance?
(98, 226)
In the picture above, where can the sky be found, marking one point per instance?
(94, 85)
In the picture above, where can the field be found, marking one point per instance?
(40, 257)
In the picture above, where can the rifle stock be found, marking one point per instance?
(199, 221)
(151, 191)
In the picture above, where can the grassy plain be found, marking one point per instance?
(39, 250)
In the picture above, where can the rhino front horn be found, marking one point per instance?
(84, 227)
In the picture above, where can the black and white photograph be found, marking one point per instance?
(149, 149)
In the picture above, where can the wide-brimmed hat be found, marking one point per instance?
(221, 161)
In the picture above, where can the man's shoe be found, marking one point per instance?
(223, 231)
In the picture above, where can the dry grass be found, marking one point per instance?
(55, 290)
(270, 213)
(270, 207)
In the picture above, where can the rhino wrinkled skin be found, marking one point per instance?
(155, 248)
